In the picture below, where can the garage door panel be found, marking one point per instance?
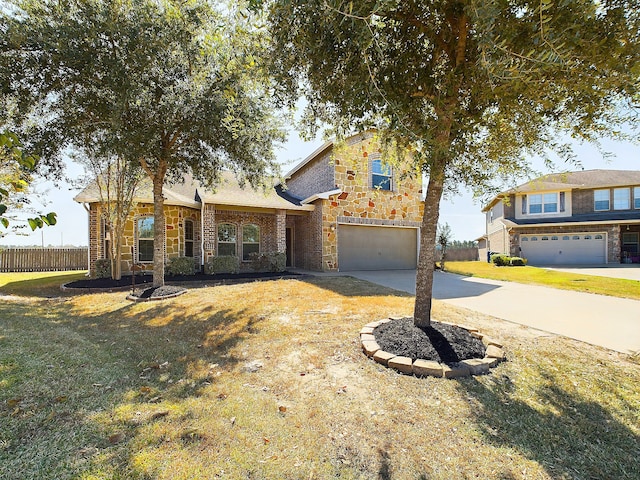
(569, 249)
(376, 248)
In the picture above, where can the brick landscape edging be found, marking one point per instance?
(422, 368)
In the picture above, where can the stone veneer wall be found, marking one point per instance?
(612, 231)
(174, 234)
(360, 204)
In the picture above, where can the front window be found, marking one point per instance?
(145, 239)
(188, 238)
(250, 241)
(226, 239)
(621, 198)
(380, 175)
(601, 200)
(636, 197)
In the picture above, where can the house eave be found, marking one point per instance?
(321, 196)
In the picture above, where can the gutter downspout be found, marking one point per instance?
(202, 237)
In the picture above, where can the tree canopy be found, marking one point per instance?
(177, 86)
(468, 88)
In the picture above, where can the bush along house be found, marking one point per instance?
(342, 208)
(585, 217)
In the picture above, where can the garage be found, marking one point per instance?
(362, 247)
(564, 249)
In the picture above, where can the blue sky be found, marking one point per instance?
(460, 212)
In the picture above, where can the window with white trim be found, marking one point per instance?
(145, 239)
(621, 198)
(540, 203)
(188, 238)
(250, 241)
(380, 175)
(636, 197)
(226, 239)
(601, 199)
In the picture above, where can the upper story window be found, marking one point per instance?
(380, 175)
(601, 199)
(542, 203)
(226, 239)
(636, 197)
(188, 238)
(250, 241)
(621, 198)
(145, 239)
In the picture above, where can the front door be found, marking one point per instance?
(289, 240)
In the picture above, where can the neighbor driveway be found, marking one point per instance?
(609, 322)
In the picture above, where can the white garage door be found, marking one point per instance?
(376, 248)
(564, 249)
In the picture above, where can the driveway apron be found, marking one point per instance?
(609, 322)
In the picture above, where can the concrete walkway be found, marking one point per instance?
(609, 322)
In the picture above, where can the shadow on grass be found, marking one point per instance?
(61, 364)
(348, 286)
(567, 434)
(44, 286)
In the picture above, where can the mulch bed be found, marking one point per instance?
(440, 342)
(125, 281)
(166, 291)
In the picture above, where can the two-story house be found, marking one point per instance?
(585, 217)
(342, 208)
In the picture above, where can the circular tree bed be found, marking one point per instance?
(440, 350)
(156, 293)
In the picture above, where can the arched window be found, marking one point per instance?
(145, 239)
(250, 240)
(188, 238)
(226, 239)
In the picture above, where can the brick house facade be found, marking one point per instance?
(317, 217)
(586, 217)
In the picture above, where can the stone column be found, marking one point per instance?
(209, 232)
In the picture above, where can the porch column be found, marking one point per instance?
(281, 231)
(209, 234)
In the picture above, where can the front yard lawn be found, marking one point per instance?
(615, 287)
(267, 380)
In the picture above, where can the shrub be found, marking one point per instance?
(268, 262)
(500, 260)
(103, 268)
(181, 266)
(518, 262)
(222, 264)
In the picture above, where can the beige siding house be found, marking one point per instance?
(342, 208)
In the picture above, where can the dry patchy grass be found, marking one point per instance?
(267, 380)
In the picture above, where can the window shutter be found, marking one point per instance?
(562, 201)
(524, 204)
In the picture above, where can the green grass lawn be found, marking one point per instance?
(615, 287)
(266, 380)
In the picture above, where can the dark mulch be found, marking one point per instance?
(440, 342)
(158, 292)
(125, 281)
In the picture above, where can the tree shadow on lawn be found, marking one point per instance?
(348, 286)
(126, 358)
(567, 434)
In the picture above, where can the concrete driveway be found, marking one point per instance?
(609, 322)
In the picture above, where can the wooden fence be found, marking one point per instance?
(43, 259)
(459, 254)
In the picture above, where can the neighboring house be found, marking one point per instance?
(586, 217)
(341, 208)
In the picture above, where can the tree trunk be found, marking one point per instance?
(427, 259)
(158, 230)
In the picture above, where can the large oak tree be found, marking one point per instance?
(469, 88)
(176, 86)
